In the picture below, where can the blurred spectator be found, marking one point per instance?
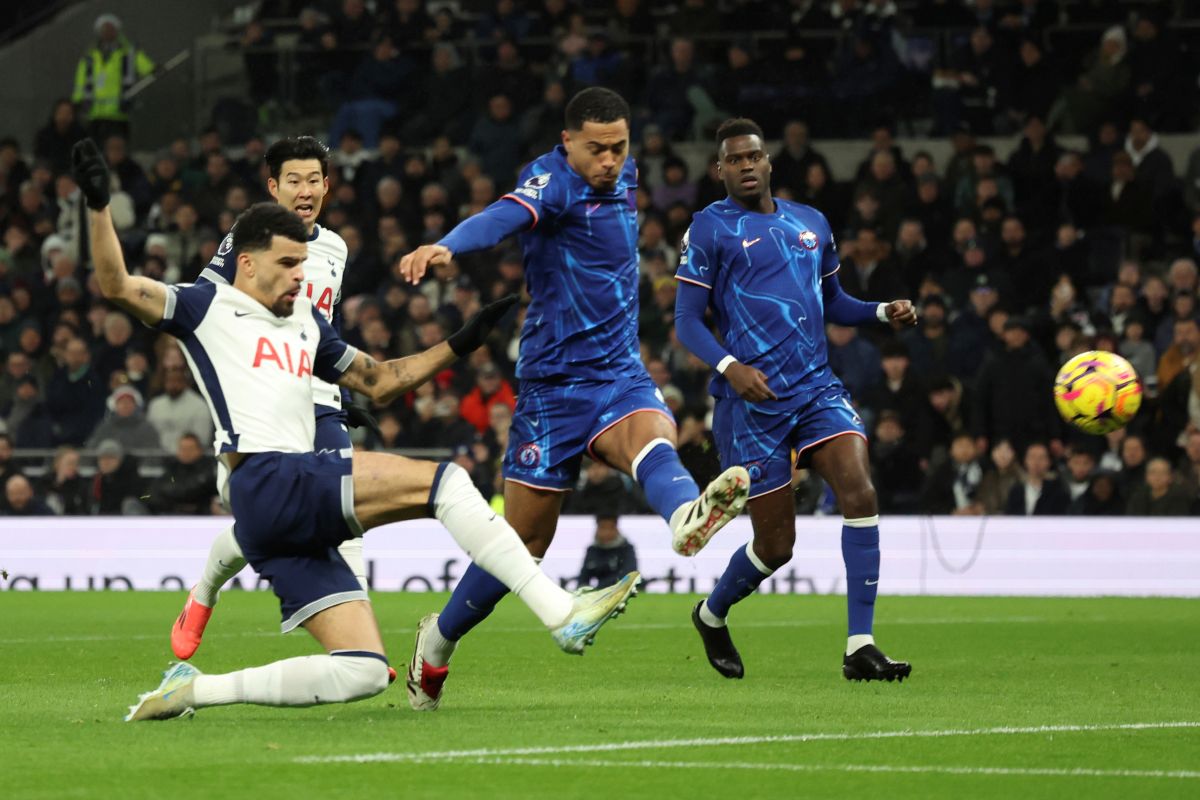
(1102, 498)
(895, 466)
(870, 274)
(56, 138)
(188, 482)
(952, 487)
(7, 468)
(490, 389)
(1081, 466)
(609, 557)
(1159, 495)
(900, 390)
(179, 409)
(75, 396)
(126, 424)
(854, 359)
(789, 167)
(1013, 403)
(1100, 90)
(1133, 464)
(1039, 493)
(117, 486)
(106, 72)
(496, 139)
(66, 491)
(674, 91)
(20, 501)
(1181, 355)
(378, 84)
(1188, 466)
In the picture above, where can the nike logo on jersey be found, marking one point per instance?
(751, 243)
(240, 313)
(535, 422)
(871, 583)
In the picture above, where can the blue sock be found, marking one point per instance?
(666, 483)
(473, 599)
(860, 552)
(743, 575)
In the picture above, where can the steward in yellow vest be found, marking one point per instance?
(104, 76)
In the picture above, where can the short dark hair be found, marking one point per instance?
(298, 148)
(260, 223)
(738, 126)
(596, 104)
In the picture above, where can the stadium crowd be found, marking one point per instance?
(1016, 264)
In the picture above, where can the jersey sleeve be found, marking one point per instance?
(698, 253)
(222, 268)
(334, 356)
(831, 262)
(540, 192)
(185, 307)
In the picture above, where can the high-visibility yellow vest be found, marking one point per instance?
(102, 82)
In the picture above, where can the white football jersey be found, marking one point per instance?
(323, 272)
(255, 369)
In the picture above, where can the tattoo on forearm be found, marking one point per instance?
(369, 369)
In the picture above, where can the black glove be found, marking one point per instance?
(470, 336)
(91, 173)
(358, 417)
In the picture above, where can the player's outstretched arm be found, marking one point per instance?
(143, 297)
(384, 382)
(488, 228)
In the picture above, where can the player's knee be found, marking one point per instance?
(361, 676)
(859, 500)
(773, 554)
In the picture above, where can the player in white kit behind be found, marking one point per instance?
(298, 181)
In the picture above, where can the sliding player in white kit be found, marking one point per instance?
(298, 181)
(253, 348)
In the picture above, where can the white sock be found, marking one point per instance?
(858, 640)
(351, 551)
(224, 561)
(303, 681)
(438, 648)
(709, 618)
(492, 544)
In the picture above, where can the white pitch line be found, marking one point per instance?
(625, 626)
(664, 744)
(1074, 772)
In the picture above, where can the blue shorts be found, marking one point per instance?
(555, 422)
(291, 511)
(332, 433)
(763, 439)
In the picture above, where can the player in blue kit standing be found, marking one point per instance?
(768, 268)
(583, 385)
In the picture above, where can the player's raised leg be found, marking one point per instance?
(354, 667)
(843, 463)
(390, 488)
(533, 513)
(642, 444)
(773, 515)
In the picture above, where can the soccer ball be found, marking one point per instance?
(1097, 391)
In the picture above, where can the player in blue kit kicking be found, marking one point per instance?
(583, 385)
(769, 270)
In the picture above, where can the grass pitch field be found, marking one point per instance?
(1008, 698)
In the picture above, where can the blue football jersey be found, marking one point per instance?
(581, 269)
(765, 274)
